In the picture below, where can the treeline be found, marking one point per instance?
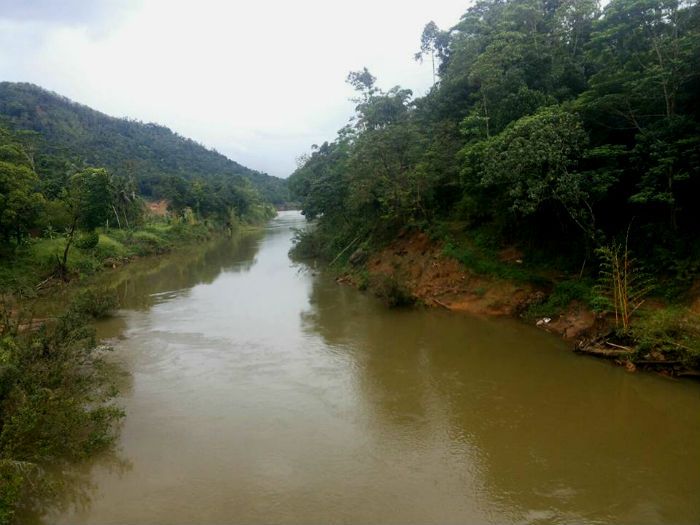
(152, 155)
(556, 125)
(45, 195)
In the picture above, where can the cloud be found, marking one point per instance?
(259, 81)
(66, 12)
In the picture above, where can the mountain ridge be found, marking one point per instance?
(150, 151)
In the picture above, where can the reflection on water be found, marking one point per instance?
(265, 394)
(68, 487)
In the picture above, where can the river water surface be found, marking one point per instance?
(263, 392)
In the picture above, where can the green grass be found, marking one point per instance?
(28, 265)
(484, 261)
(674, 331)
(562, 295)
(109, 247)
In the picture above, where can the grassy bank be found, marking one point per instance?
(32, 267)
(58, 391)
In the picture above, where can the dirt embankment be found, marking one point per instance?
(435, 279)
(417, 266)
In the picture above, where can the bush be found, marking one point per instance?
(673, 331)
(86, 265)
(306, 245)
(95, 303)
(87, 240)
(109, 248)
(56, 410)
(146, 243)
(563, 294)
(391, 291)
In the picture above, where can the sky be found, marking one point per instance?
(258, 80)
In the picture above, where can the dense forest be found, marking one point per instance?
(560, 126)
(158, 159)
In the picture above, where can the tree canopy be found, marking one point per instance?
(554, 123)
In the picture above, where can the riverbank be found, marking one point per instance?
(32, 268)
(416, 268)
(236, 359)
(61, 410)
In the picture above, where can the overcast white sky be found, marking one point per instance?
(260, 81)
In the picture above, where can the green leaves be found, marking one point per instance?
(20, 201)
(552, 123)
(89, 197)
(534, 160)
(56, 407)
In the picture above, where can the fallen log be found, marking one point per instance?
(603, 352)
(656, 362)
(440, 303)
(626, 348)
(689, 373)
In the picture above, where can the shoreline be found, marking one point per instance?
(54, 287)
(414, 270)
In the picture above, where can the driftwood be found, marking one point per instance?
(625, 348)
(44, 282)
(345, 249)
(656, 362)
(689, 373)
(440, 303)
(602, 352)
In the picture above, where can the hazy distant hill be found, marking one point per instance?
(148, 151)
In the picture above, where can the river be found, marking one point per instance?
(262, 392)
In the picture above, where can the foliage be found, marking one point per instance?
(563, 294)
(551, 124)
(56, 407)
(674, 332)
(20, 200)
(94, 303)
(622, 282)
(391, 291)
(145, 154)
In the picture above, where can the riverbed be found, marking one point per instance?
(260, 391)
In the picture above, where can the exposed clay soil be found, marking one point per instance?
(438, 280)
(419, 265)
(158, 208)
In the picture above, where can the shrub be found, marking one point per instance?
(391, 291)
(56, 410)
(563, 294)
(146, 243)
(674, 331)
(87, 240)
(306, 245)
(95, 303)
(110, 248)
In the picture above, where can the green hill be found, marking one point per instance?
(149, 152)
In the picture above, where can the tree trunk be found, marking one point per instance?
(116, 215)
(71, 236)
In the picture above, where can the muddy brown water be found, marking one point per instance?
(263, 392)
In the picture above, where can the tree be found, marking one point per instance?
(622, 282)
(644, 56)
(20, 200)
(127, 205)
(534, 161)
(88, 199)
(433, 42)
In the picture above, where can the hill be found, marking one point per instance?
(149, 152)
